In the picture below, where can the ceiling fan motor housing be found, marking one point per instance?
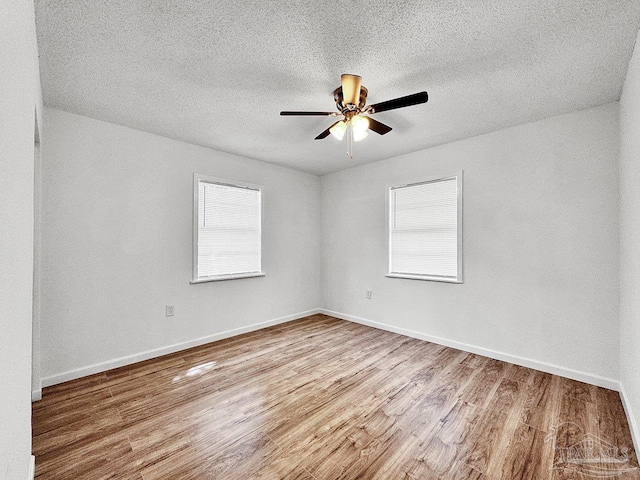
(344, 108)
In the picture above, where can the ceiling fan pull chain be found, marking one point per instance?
(349, 135)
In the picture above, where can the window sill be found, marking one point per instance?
(424, 277)
(221, 278)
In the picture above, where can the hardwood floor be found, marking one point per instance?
(321, 398)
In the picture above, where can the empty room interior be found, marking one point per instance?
(319, 240)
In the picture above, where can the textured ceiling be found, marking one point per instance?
(217, 73)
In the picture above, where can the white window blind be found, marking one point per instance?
(229, 230)
(424, 230)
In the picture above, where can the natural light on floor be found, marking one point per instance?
(197, 370)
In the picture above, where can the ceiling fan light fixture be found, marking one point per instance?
(360, 124)
(338, 130)
(359, 135)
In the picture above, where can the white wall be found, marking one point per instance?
(540, 245)
(117, 245)
(630, 241)
(36, 388)
(19, 98)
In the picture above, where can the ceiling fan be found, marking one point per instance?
(350, 98)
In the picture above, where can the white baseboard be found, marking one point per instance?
(633, 425)
(505, 357)
(32, 468)
(157, 352)
(525, 362)
(36, 395)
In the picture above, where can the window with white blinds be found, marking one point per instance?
(227, 229)
(425, 230)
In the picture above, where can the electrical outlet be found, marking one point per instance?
(170, 310)
(369, 292)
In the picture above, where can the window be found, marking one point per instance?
(425, 230)
(227, 230)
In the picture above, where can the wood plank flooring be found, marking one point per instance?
(322, 398)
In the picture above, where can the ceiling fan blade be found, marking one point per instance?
(376, 126)
(326, 133)
(324, 114)
(350, 88)
(401, 102)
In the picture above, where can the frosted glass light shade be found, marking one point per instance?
(359, 135)
(360, 127)
(338, 130)
(360, 124)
